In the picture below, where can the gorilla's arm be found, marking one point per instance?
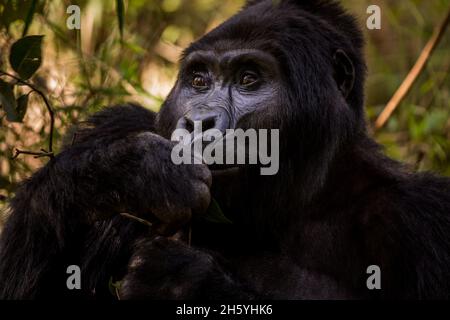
(115, 163)
(163, 269)
(50, 211)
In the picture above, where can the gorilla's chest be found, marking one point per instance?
(279, 277)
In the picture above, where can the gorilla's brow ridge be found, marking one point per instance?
(229, 57)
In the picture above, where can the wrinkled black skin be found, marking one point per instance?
(336, 206)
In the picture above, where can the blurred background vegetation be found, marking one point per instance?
(87, 69)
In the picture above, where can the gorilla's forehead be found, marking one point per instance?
(247, 31)
(284, 28)
(222, 45)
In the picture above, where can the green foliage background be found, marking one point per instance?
(104, 64)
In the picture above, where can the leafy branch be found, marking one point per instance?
(25, 59)
(42, 153)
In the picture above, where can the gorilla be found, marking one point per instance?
(336, 207)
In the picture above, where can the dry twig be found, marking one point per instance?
(421, 62)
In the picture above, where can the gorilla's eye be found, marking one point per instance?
(199, 82)
(248, 79)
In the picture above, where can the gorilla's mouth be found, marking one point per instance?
(232, 149)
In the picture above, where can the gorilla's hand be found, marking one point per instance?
(134, 174)
(170, 192)
(169, 269)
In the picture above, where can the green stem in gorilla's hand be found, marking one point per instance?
(215, 214)
(140, 220)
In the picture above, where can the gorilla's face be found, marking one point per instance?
(222, 89)
(275, 66)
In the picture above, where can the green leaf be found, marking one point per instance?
(10, 13)
(135, 47)
(29, 17)
(114, 286)
(120, 16)
(18, 10)
(22, 105)
(8, 101)
(215, 214)
(25, 56)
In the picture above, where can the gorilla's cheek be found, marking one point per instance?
(257, 110)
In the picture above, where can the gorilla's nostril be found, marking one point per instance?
(208, 124)
(189, 125)
(203, 121)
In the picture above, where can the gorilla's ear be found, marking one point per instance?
(344, 72)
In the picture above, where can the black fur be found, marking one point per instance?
(337, 205)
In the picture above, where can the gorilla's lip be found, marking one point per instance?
(224, 170)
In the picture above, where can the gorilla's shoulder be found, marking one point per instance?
(111, 123)
(427, 190)
(422, 206)
(413, 210)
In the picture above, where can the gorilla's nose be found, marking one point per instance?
(206, 118)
